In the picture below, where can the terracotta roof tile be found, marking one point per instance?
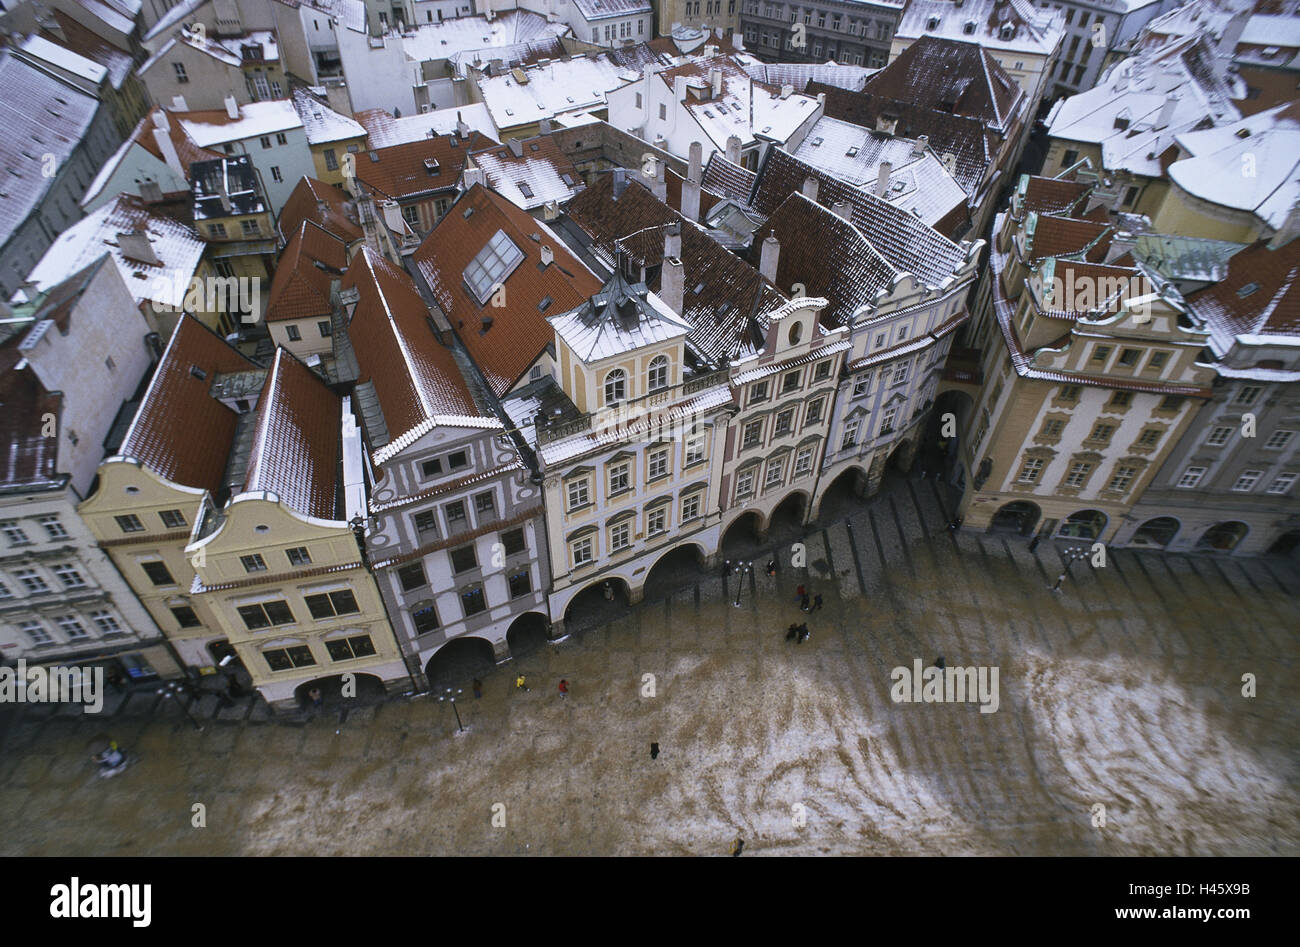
(519, 331)
(301, 289)
(399, 171)
(1067, 236)
(338, 216)
(1053, 196)
(1259, 296)
(180, 431)
(27, 457)
(295, 451)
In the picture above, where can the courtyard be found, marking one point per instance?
(1122, 691)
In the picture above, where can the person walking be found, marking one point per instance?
(521, 683)
(478, 688)
(804, 633)
(805, 603)
(792, 633)
(564, 689)
(654, 751)
(817, 602)
(317, 701)
(800, 594)
(609, 592)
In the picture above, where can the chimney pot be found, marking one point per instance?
(770, 255)
(842, 209)
(882, 178)
(548, 255)
(809, 189)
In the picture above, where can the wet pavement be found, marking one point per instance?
(1121, 691)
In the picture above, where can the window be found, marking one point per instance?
(1031, 470)
(172, 519)
(265, 614)
(521, 583)
(325, 329)
(775, 471)
(463, 559)
(15, 533)
(783, 422)
(1247, 481)
(426, 521)
(286, 659)
(1219, 436)
(694, 451)
(582, 552)
(69, 625)
(157, 573)
(615, 386)
(484, 504)
(790, 382)
(659, 464)
(656, 521)
(814, 412)
(1282, 483)
(1157, 361)
(217, 230)
(1100, 353)
(578, 494)
(880, 340)
(53, 528)
(278, 178)
(455, 513)
(1101, 432)
(31, 581)
(663, 109)
(329, 604)
(179, 69)
(822, 370)
(850, 433)
(345, 649)
(431, 468)
(620, 536)
(1279, 439)
(744, 484)
(1069, 393)
(412, 576)
(69, 575)
(1191, 477)
(1171, 402)
(457, 460)
(129, 523)
(887, 419)
(331, 160)
(265, 141)
(251, 228)
(1248, 395)
(293, 333)
(1129, 357)
(298, 556)
(106, 622)
(1052, 428)
(185, 616)
(619, 478)
(803, 461)
(758, 392)
(900, 372)
(691, 507)
(1131, 196)
(411, 214)
(253, 563)
(425, 620)
(1150, 437)
(473, 601)
(1078, 474)
(753, 434)
(492, 265)
(1121, 399)
(861, 385)
(513, 541)
(658, 373)
(36, 632)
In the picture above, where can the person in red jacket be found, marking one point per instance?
(564, 689)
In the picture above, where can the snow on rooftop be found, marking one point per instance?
(550, 90)
(533, 180)
(321, 123)
(433, 41)
(64, 59)
(385, 130)
(256, 118)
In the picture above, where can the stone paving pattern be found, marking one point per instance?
(1123, 689)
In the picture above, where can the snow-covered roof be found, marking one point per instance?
(603, 9)
(351, 14)
(799, 74)
(619, 319)
(383, 129)
(918, 181)
(1124, 113)
(176, 247)
(215, 127)
(64, 59)
(177, 14)
(42, 115)
(539, 174)
(1012, 25)
(321, 123)
(115, 14)
(552, 89)
(450, 37)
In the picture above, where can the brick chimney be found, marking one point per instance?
(673, 241)
(672, 284)
(882, 178)
(733, 150)
(770, 256)
(809, 189)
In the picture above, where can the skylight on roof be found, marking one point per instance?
(1247, 290)
(491, 265)
(817, 142)
(852, 152)
(525, 189)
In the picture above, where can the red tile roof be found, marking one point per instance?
(1053, 196)
(180, 431)
(1271, 307)
(399, 171)
(415, 375)
(295, 452)
(27, 456)
(301, 289)
(337, 215)
(519, 331)
(1067, 236)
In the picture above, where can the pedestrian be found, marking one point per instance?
(609, 592)
(800, 594)
(737, 847)
(804, 633)
(564, 689)
(805, 603)
(792, 633)
(654, 751)
(478, 688)
(817, 602)
(521, 683)
(771, 567)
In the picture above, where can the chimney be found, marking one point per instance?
(886, 124)
(679, 88)
(672, 284)
(551, 210)
(659, 186)
(472, 176)
(715, 83)
(516, 147)
(787, 91)
(733, 150)
(498, 66)
(548, 255)
(544, 127)
(178, 104)
(620, 182)
(163, 139)
(1290, 228)
(673, 241)
(136, 246)
(150, 192)
(918, 148)
(691, 199)
(809, 189)
(462, 130)
(1232, 30)
(693, 172)
(842, 209)
(710, 51)
(232, 108)
(1167, 111)
(770, 255)
(882, 178)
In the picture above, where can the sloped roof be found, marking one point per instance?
(1260, 295)
(400, 171)
(300, 288)
(338, 217)
(620, 318)
(1056, 236)
(454, 35)
(729, 180)
(215, 126)
(519, 331)
(384, 129)
(414, 375)
(85, 42)
(799, 74)
(27, 456)
(321, 123)
(600, 9)
(180, 431)
(1053, 195)
(295, 451)
(997, 24)
(541, 169)
(942, 74)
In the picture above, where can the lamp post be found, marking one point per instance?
(742, 569)
(1072, 555)
(174, 690)
(452, 697)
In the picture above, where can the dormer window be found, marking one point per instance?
(932, 23)
(968, 27)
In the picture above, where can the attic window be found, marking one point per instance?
(932, 23)
(852, 152)
(968, 27)
(510, 111)
(567, 179)
(1247, 290)
(468, 211)
(524, 188)
(817, 142)
(1121, 121)
(492, 265)
(532, 146)
(1243, 132)
(198, 373)
(545, 304)
(699, 288)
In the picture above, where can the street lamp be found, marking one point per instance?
(174, 690)
(452, 697)
(1072, 555)
(742, 569)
